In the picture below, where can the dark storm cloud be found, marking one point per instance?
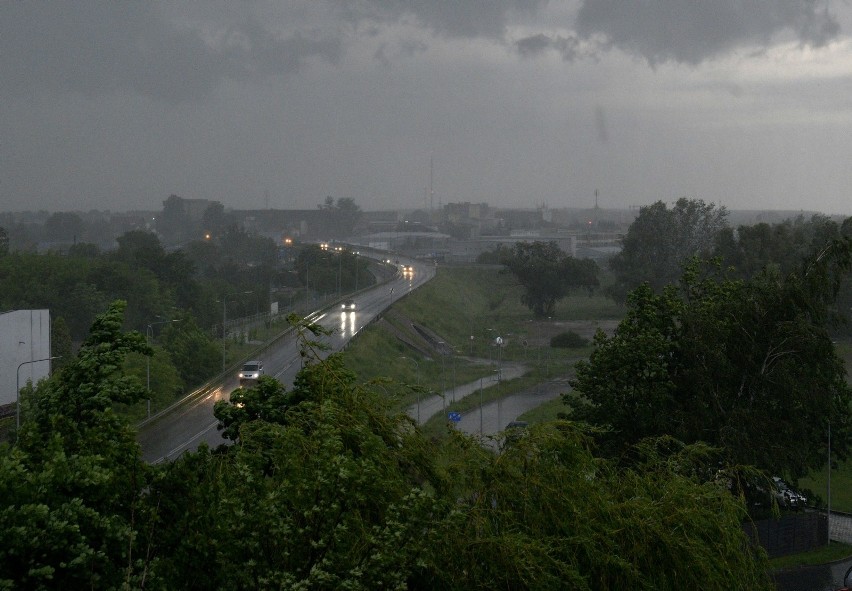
(534, 45)
(105, 47)
(451, 18)
(691, 31)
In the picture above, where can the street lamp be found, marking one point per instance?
(225, 322)
(149, 334)
(416, 365)
(18, 389)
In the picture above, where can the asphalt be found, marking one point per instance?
(491, 417)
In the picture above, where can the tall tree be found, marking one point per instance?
(71, 487)
(341, 215)
(193, 352)
(660, 240)
(547, 274)
(745, 365)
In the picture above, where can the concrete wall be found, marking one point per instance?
(24, 336)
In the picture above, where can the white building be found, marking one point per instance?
(24, 350)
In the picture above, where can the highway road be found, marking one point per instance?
(190, 423)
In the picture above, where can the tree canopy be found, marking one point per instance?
(326, 486)
(547, 274)
(660, 240)
(748, 366)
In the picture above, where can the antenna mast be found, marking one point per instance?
(431, 190)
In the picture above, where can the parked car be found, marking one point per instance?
(251, 372)
(786, 496)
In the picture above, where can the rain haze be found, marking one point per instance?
(116, 105)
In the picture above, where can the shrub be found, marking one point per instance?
(568, 340)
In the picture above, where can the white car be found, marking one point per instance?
(251, 372)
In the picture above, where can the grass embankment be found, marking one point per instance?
(841, 474)
(464, 310)
(825, 554)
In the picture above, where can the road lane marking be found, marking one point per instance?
(190, 440)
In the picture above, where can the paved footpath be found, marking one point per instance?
(493, 416)
(432, 405)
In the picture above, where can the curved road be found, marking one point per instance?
(188, 424)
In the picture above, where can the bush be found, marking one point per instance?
(568, 340)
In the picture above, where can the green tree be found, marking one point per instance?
(268, 400)
(85, 250)
(71, 487)
(215, 221)
(4, 242)
(660, 240)
(341, 216)
(60, 342)
(547, 274)
(174, 224)
(195, 355)
(158, 370)
(324, 494)
(744, 365)
(545, 513)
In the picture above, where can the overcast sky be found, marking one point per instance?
(117, 105)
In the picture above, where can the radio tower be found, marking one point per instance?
(431, 191)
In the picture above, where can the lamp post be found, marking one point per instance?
(18, 389)
(149, 334)
(417, 366)
(442, 344)
(339, 273)
(225, 321)
(356, 271)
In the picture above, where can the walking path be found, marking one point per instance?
(493, 416)
(428, 407)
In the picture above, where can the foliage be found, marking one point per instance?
(4, 242)
(498, 256)
(660, 240)
(322, 490)
(568, 340)
(548, 274)
(71, 485)
(326, 487)
(158, 370)
(341, 216)
(267, 400)
(174, 224)
(546, 514)
(744, 365)
(324, 270)
(60, 342)
(749, 249)
(195, 355)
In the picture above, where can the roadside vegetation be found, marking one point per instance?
(326, 487)
(472, 301)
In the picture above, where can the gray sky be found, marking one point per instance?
(116, 105)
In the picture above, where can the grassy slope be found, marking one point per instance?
(459, 303)
(841, 475)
